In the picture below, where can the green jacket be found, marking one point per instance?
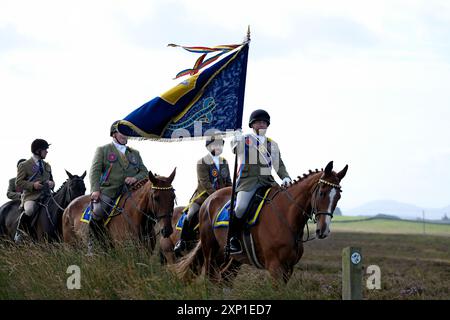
(110, 168)
(257, 162)
(209, 178)
(28, 173)
(13, 193)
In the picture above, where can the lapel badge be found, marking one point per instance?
(112, 157)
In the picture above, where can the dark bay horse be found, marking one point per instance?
(47, 220)
(278, 235)
(147, 203)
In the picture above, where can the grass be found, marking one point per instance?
(386, 226)
(412, 267)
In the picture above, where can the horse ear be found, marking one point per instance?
(341, 174)
(69, 174)
(83, 175)
(329, 168)
(172, 175)
(152, 178)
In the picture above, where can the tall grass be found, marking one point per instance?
(412, 267)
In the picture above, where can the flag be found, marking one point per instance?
(211, 100)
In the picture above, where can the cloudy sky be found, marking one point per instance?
(361, 83)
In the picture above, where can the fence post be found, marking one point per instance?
(351, 274)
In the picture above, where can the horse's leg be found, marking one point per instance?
(230, 273)
(280, 274)
(166, 251)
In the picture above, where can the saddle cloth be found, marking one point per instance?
(180, 221)
(86, 216)
(252, 213)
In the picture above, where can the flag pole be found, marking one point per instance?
(233, 186)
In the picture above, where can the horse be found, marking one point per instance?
(278, 236)
(147, 203)
(47, 220)
(166, 245)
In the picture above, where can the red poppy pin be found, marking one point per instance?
(112, 157)
(215, 173)
(248, 141)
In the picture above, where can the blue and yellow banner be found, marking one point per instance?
(209, 101)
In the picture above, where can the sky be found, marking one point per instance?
(363, 83)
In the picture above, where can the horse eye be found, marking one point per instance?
(321, 193)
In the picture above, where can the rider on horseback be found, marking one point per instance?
(34, 177)
(213, 174)
(256, 154)
(114, 166)
(13, 192)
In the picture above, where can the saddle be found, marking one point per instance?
(251, 214)
(86, 216)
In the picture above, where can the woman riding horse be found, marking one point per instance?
(277, 237)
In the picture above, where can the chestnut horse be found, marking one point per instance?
(147, 203)
(278, 236)
(166, 245)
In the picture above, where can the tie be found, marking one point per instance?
(41, 167)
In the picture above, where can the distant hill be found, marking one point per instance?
(395, 208)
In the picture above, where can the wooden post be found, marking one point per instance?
(351, 274)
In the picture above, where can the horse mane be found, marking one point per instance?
(62, 186)
(139, 184)
(305, 176)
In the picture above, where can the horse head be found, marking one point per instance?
(75, 186)
(162, 201)
(324, 198)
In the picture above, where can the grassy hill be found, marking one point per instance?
(412, 267)
(388, 226)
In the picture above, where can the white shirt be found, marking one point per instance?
(36, 159)
(216, 160)
(120, 147)
(261, 139)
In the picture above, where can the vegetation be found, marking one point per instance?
(412, 267)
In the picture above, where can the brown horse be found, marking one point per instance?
(147, 203)
(277, 237)
(166, 245)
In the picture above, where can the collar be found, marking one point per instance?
(120, 147)
(36, 158)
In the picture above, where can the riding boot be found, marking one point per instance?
(235, 228)
(96, 234)
(184, 236)
(18, 237)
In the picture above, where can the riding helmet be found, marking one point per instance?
(20, 161)
(39, 144)
(258, 115)
(114, 128)
(214, 139)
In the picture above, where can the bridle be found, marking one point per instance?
(309, 216)
(314, 193)
(168, 214)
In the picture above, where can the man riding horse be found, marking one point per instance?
(114, 167)
(13, 192)
(213, 174)
(257, 154)
(34, 177)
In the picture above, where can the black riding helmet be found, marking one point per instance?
(258, 115)
(39, 144)
(20, 161)
(214, 139)
(114, 128)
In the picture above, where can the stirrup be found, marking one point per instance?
(235, 248)
(179, 246)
